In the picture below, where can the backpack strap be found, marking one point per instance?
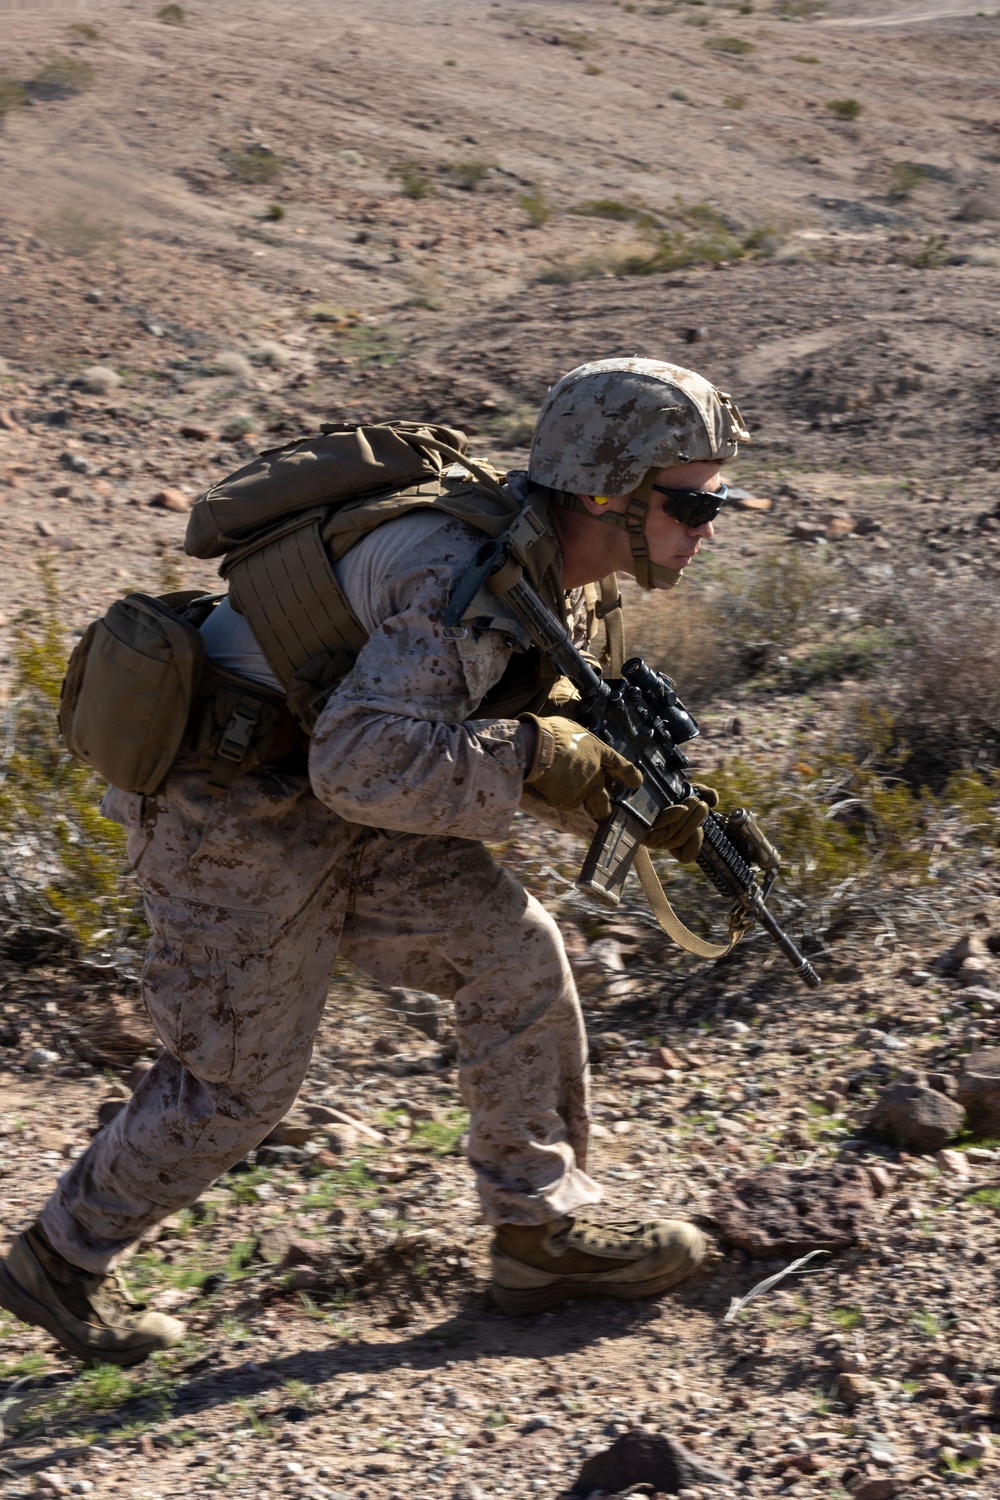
(608, 610)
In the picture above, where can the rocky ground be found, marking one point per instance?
(216, 234)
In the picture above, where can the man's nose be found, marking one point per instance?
(707, 531)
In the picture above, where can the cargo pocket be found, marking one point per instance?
(205, 982)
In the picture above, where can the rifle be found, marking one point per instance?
(642, 718)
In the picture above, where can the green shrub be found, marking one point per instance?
(844, 109)
(906, 176)
(171, 15)
(253, 163)
(12, 95)
(737, 46)
(85, 32)
(514, 427)
(412, 179)
(734, 101)
(932, 254)
(804, 57)
(275, 212)
(61, 78)
(536, 206)
(467, 175)
(67, 886)
(592, 70)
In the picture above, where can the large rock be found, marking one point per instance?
(639, 1457)
(788, 1211)
(917, 1116)
(979, 1090)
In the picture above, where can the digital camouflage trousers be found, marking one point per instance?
(250, 897)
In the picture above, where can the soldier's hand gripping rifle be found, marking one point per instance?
(642, 718)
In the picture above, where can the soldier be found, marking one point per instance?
(373, 848)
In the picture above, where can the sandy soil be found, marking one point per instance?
(434, 249)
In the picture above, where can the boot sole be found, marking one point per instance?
(23, 1305)
(521, 1302)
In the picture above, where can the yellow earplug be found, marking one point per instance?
(600, 499)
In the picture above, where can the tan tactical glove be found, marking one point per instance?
(570, 765)
(677, 830)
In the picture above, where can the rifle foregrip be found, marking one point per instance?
(611, 855)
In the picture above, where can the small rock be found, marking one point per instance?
(808, 531)
(854, 1388)
(880, 1179)
(837, 524)
(40, 1059)
(76, 462)
(851, 1362)
(171, 499)
(652, 1076)
(877, 1489)
(420, 1009)
(665, 1057)
(955, 1163)
(196, 432)
(979, 1090)
(917, 1117)
(639, 1457)
(342, 1140)
(783, 1211)
(94, 296)
(100, 380)
(290, 1133)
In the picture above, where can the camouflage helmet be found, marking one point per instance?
(606, 424)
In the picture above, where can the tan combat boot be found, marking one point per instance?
(89, 1313)
(539, 1266)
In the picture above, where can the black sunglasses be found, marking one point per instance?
(693, 507)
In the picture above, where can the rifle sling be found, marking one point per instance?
(670, 921)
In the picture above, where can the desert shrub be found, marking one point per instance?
(700, 235)
(513, 427)
(805, 57)
(592, 70)
(275, 212)
(271, 354)
(171, 15)
(844, 109)
(536, 206)
(736, 46)
(13, 94)
(905, 177)
(767, 608)
(617, 211)
(945, 691)
(61, 78)
(412, 178)
(66, 887)
(84, 32)
(799, 10)
(932, 254)
(229, 362)
(254, 163)
(467, 175)
(734, 101)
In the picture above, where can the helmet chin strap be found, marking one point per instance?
(648, 574)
